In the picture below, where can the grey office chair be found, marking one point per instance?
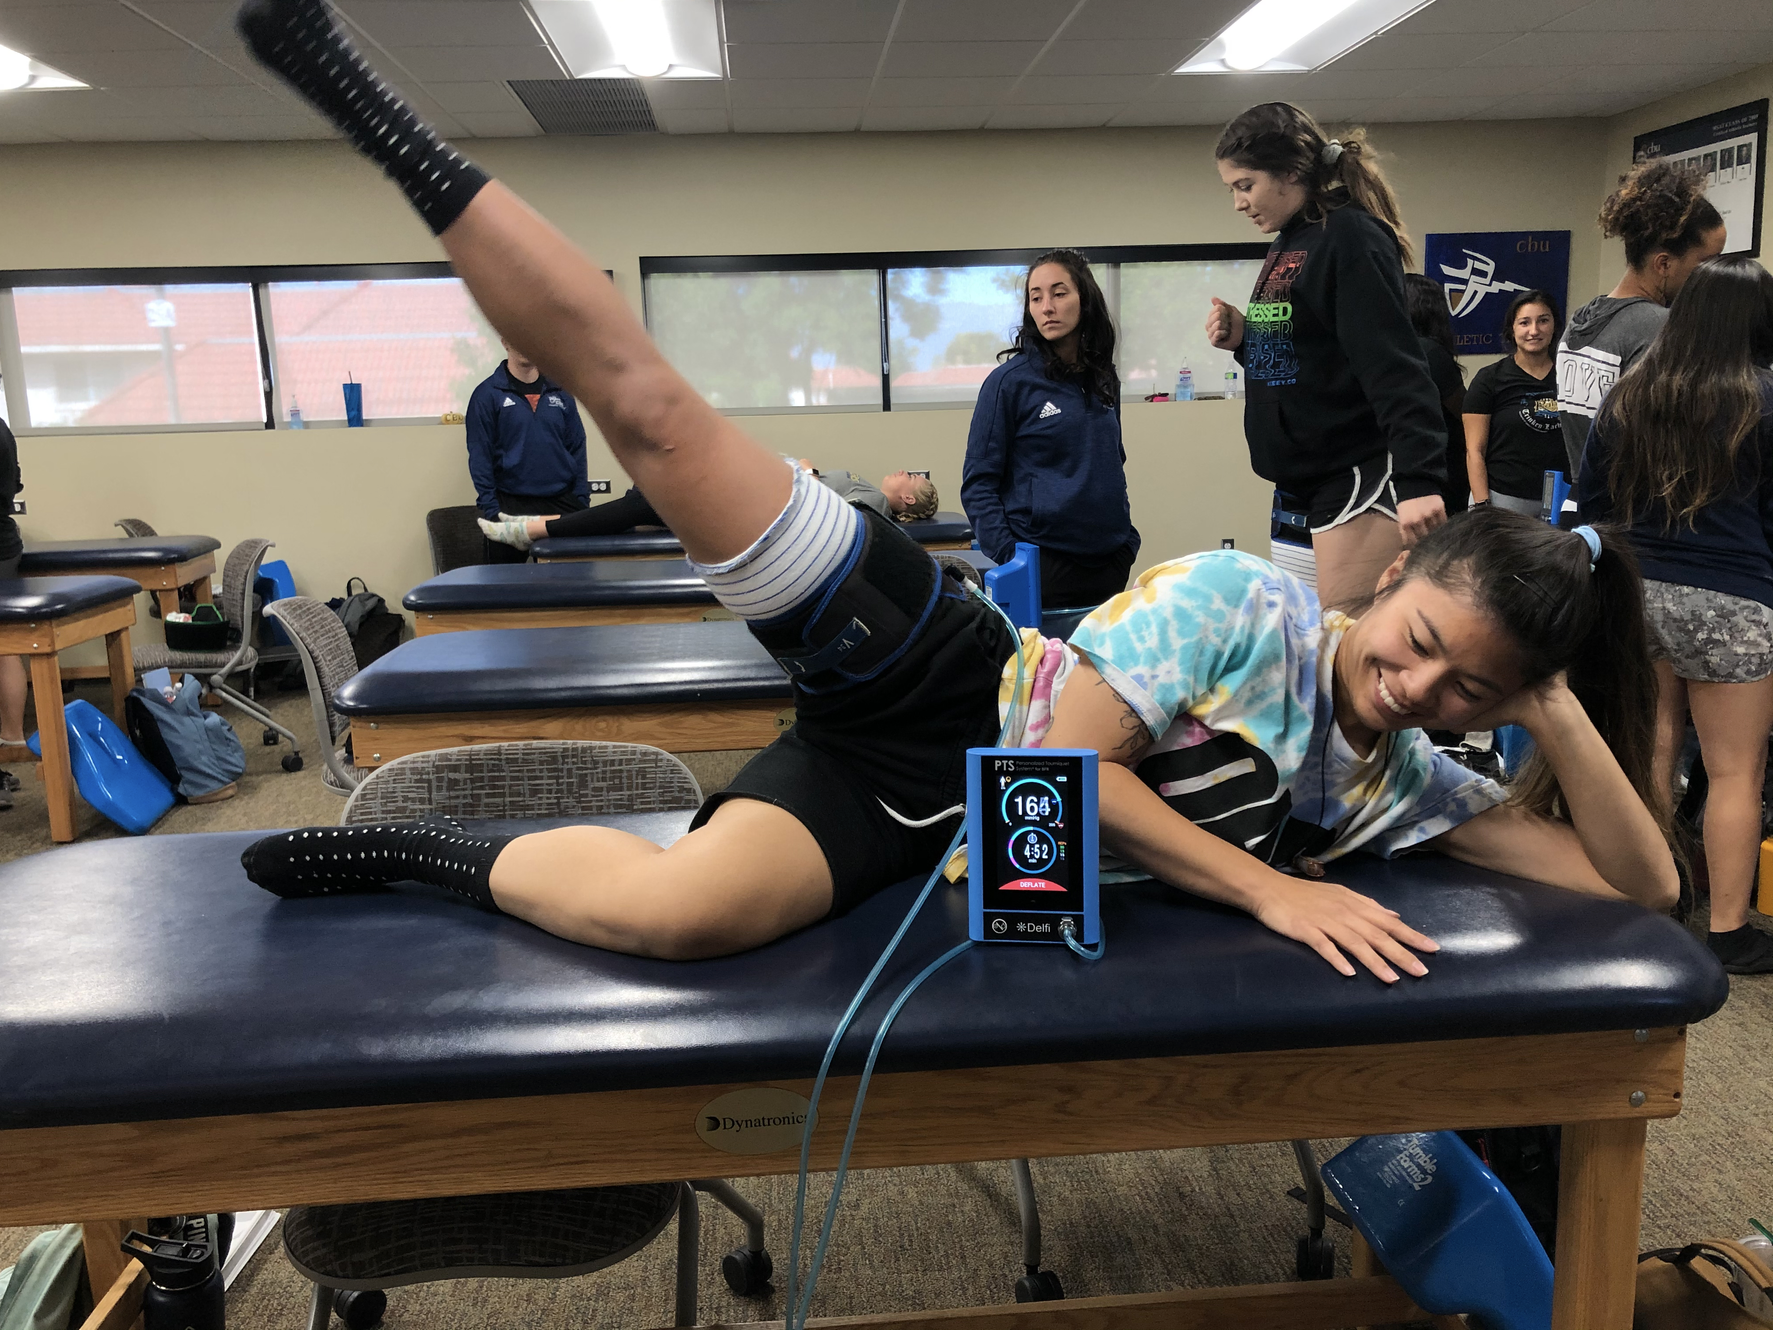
(328, 661)
(238, 572)
(353, 1252)
(454, 538)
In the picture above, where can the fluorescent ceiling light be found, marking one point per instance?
(674, 39)
(1294, 36)
(18, 70)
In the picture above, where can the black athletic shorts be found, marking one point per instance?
(898, 739)
(1338, 498)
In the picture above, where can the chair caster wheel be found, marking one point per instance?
(1314, 1258)
(269, 738)
(748, 1273)
(1038, 1286)
(292, 762)
(360, 1308)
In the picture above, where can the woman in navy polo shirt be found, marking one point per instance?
(1045, 462)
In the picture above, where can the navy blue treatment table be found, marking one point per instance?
(41, 616)
(941, 531)
(158, 564)
(684, 687)
(172, 1039)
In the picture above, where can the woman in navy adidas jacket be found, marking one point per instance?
(1046, 454)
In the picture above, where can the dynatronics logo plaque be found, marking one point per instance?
(1481, 271)
(759, 1120)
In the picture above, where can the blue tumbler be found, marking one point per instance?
(354, 404)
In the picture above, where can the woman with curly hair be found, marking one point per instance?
(1045, 461)
(1668, 228)
(1342, 412)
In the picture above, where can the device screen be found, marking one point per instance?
(1031, 825)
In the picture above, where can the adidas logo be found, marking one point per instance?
(1049, 409)
(509, 402)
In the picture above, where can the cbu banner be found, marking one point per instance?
(1482, 271)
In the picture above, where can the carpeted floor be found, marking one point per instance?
(948, 1236)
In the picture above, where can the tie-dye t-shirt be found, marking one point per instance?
(1229, 663)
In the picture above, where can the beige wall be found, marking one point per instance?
(343, 503)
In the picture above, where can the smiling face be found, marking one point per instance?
(1533, 328)
(1422, 657)
(1053, 301)
(1267, 200)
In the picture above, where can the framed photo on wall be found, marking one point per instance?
(1729, 149)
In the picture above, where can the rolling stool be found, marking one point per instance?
(351, 1253)
(1445, 1228)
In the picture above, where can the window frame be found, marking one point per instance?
(256, 277)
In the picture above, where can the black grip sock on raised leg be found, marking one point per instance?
(299, 41)
(333, 861)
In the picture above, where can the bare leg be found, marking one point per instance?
(12, 699)
(1670, 712)
(753, 873)
(1351, 557)
(717, 489)
(1734, 721)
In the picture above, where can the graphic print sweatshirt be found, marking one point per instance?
(1335, 374)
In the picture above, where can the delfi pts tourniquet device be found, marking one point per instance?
(1034, 845)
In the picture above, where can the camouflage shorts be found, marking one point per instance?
(1708, 636)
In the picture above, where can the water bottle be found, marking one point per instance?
(184, 1275)
(296, 415)
(1182, 392)
(1233, 386)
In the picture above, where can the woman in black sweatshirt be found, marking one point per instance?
(1341, 408)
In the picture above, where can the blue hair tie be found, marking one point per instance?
(1594, 546)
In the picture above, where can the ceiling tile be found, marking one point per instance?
(206, 22)
(1659, 16)
(938, 93)
(81, 27)
(1158, 20)
(475, 98)
(926, 117)
(22, 133)
(502, 125)
(1575, 50)
(1642, 82)
(1486, 15)
(1070, 56)
(1169, 113)
(1079, 90)
(687, 94)
(1248, 88)
(468, 64)
(1052, 117)
(1397, 109)
(203, 101)
(403, 23)
(1557, 106)
(1480, 81)
(778, 120)
(691, 122)
(258, 128)
(1405, 50)
(958, 59)
(182, 68)
(808, 20)
(801, 60)
(797, 92)
(980, 20)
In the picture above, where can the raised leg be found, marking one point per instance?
(52, 727)
(1350, 558)
(122, 670)
(1599, 1220)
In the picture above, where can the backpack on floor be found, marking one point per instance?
(375, 630)
(196, 750)
(1709, 1285)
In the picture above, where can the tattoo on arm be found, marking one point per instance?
(1137, 737)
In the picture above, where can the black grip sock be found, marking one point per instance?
(298, 40)
(332, 861)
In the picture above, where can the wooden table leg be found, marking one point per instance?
(169, 601)
(122, 670)
(1599, 1223)
(52, 729)
(201, 589)
(105, 1263)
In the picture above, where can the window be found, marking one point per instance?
(809, 331)
(1162, 308)
(751, 341)
(417, 345)
(105, 356)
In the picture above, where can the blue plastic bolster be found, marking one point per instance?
(1016, 587)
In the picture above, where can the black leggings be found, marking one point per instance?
(606, 519)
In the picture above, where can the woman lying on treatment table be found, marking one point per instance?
(1217, 676)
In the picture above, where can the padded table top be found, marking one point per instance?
(61, 556)
(939, 529)
(529, 669)
(594, 584)
(146, 977)
(24, 599)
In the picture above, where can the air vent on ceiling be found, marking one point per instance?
(587, 106)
